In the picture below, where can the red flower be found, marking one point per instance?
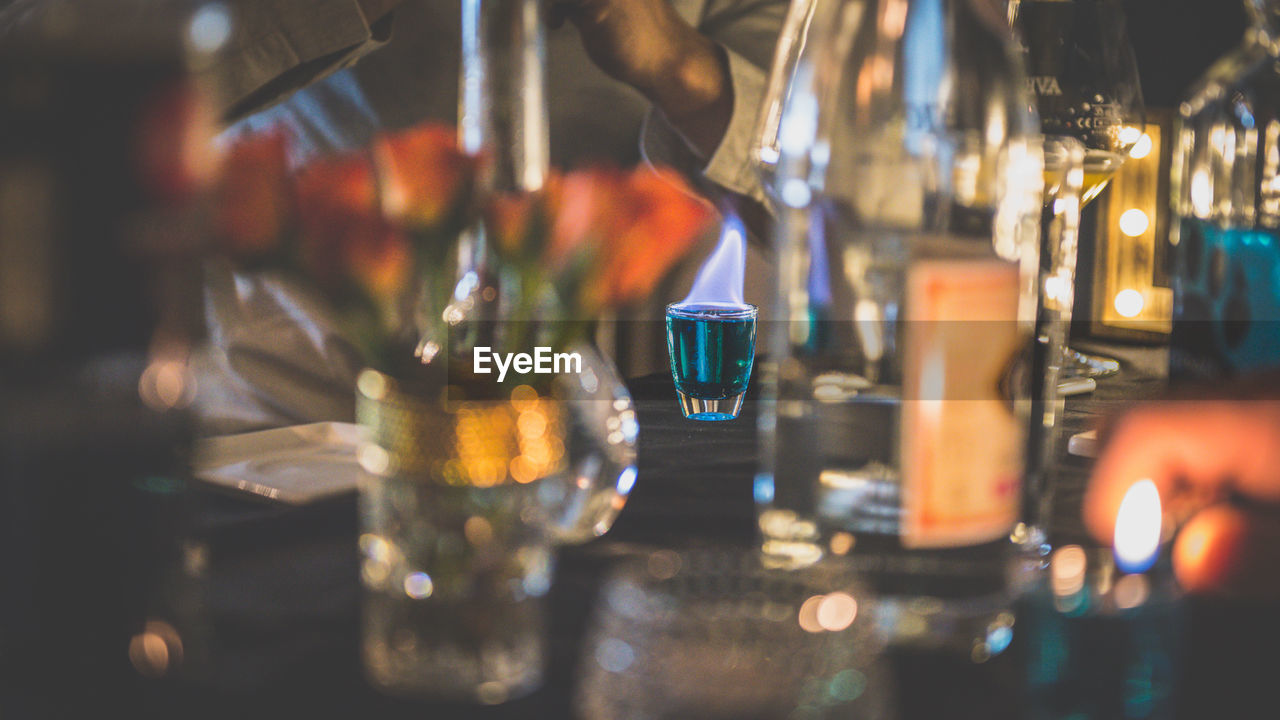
(585, 206)
(511, 219)
(654, 222)
(254, 199)
(175, 151)
(381, 263)
(425, 179)
(337, 213)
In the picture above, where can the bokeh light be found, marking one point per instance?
(1129, 303)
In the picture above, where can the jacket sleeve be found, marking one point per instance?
(748, 31)
(280, 46)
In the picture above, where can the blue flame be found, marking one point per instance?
(720, 279)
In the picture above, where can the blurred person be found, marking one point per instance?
(1216, 462)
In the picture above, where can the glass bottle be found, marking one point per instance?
(503, 117)
(895, 419)
(1226, 200)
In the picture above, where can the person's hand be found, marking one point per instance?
(645, 44)
(1217, 466)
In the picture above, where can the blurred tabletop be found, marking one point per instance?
(271, 626)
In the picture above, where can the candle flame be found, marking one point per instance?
(1138, 526)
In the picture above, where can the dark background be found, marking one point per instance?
(1176, 40)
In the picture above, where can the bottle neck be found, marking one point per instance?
(502, 104)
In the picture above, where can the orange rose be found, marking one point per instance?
(510, 219)
(337, 210)
(585, 208)
(425, 178)
(175, 150)
(254, 200)
(381, 262)
(657, 221)
(522, 224)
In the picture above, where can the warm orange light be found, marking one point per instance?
(808, 615)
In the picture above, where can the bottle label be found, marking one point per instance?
(961, 443)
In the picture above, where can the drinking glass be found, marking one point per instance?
(713, 634)
(1082, 71)
(712, 347)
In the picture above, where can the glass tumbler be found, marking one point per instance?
(712, 347)
(713, 634)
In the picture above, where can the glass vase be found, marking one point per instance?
(468, 483)
(455, 557)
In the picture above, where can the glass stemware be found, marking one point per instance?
(1083, 75)
(1064, 180)
(793, 44)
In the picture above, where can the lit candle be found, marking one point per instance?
(1105, 631)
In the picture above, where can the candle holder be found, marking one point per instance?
(1102, 643)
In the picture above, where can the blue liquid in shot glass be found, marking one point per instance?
(711, 348)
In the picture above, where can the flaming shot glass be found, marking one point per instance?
(711, 346)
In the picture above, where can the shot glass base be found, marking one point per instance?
(718, 409)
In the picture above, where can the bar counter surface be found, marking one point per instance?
(271, 620)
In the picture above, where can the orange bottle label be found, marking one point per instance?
(961, 442)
